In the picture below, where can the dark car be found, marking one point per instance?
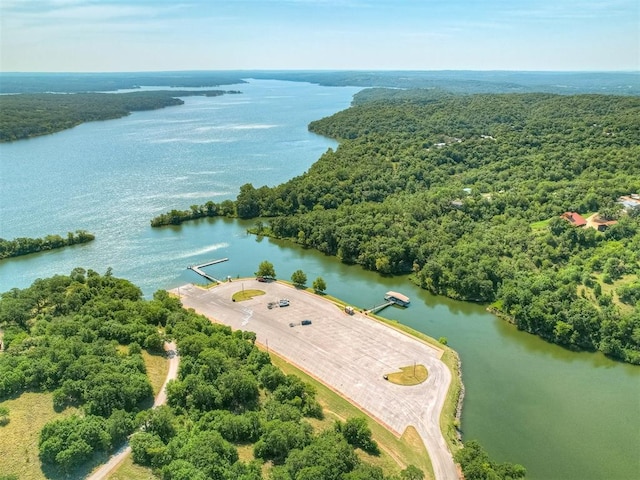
(305, 322)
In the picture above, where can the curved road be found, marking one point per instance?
(161, 399)
(349, 353)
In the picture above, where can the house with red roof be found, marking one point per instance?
(574, 219)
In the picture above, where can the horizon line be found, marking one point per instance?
(303, 70)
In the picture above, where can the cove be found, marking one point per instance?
(561, 414)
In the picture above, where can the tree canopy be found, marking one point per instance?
(25, 246)
(465, 194)
(32, 114)
(79, 336)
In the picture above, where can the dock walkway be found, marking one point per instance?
(202, 273)
(377, 308)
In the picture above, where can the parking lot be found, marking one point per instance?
(350, 353)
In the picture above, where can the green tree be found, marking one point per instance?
(265, 269)
(365, 471)
(159, 421)
(271, 377)
(154, 343)
(279, 438)
(182, 470)
(357, 433)
(147, 449)
(476, 464)
(411, 473)
(299, 278)
(319, 285)
(247, 202)
(209, 452)
(4, 415)
(329, 456)
(238, 389)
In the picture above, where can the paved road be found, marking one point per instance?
(116, 459)
(349, 353)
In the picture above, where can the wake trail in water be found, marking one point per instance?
(201, 251)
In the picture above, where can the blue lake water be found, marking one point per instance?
(562, 414)
(112, 177)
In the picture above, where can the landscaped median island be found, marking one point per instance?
(351, 354)
(408, 376)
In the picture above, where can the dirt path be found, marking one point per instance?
(174, 362)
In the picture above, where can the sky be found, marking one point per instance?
(160, 35)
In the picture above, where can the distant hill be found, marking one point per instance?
(108, 82)
(462, 81)
(456, 81)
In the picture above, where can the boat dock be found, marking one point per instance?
(199, 271)
(397, 298)
(377, 308)
(391, 298)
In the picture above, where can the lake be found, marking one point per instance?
(562, 414)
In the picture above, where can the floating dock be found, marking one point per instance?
(397, 298)
(391, 298)
(199, 271)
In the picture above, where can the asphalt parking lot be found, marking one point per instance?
(350, 353)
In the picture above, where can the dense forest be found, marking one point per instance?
(30, 115)
(81, 336)
(25, 246)
(28, 82)
(467, 82)
(465, 193)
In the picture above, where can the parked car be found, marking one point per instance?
(305, 322)
(284, 302)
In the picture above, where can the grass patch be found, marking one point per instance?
(245, 452)
(128, 470)
(609, 289)
(246, 295)
(396, 453)
(411, 375)
(19, 438)
(539, 226)
(157, 369)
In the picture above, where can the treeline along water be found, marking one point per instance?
(561, 414)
